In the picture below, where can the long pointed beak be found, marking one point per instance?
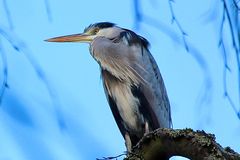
(72, 38)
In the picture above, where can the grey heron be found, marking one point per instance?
(131, 79)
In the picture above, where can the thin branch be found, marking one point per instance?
(174, 19)
(206, 94)
(5, 72)
(9, 17)
(137, 14)
(236, 3)
(225, 66)
(110, 158)
(232, 30)
(48, 10)
(221, 28)
(20, 46)
(47, 83)
(236, 42)
(194, 52)
(140, 17)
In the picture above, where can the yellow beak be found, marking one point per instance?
(72, 38)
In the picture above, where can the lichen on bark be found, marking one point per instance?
(196, 145)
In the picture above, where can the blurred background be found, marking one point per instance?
(53, 105)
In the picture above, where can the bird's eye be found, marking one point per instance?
(96, 30)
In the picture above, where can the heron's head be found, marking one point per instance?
(102, 29)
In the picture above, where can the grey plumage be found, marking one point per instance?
(132, 81)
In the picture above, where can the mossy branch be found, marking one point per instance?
(162, 144)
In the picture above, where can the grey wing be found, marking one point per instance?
(117, 59)
(107, 78)
(135, 65)
(156, 90)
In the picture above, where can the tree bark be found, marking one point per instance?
(162, 144)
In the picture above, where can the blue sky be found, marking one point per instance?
(73, 120)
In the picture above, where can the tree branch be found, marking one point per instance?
(48, 10)
(8, 14)
(196, 145)
(5, 72)
(231, 9)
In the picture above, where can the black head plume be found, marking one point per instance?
(100, 25)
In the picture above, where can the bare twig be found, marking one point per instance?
(113, 157)
(137, 14)
(196, 54)
(48, 10)
(226, 19)
(174, 19)
(235, 35)
(237, 4)
(140, 17)
(8, 14)
(5, 72)
(225, 66)
(225, 69)
(20, 46)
